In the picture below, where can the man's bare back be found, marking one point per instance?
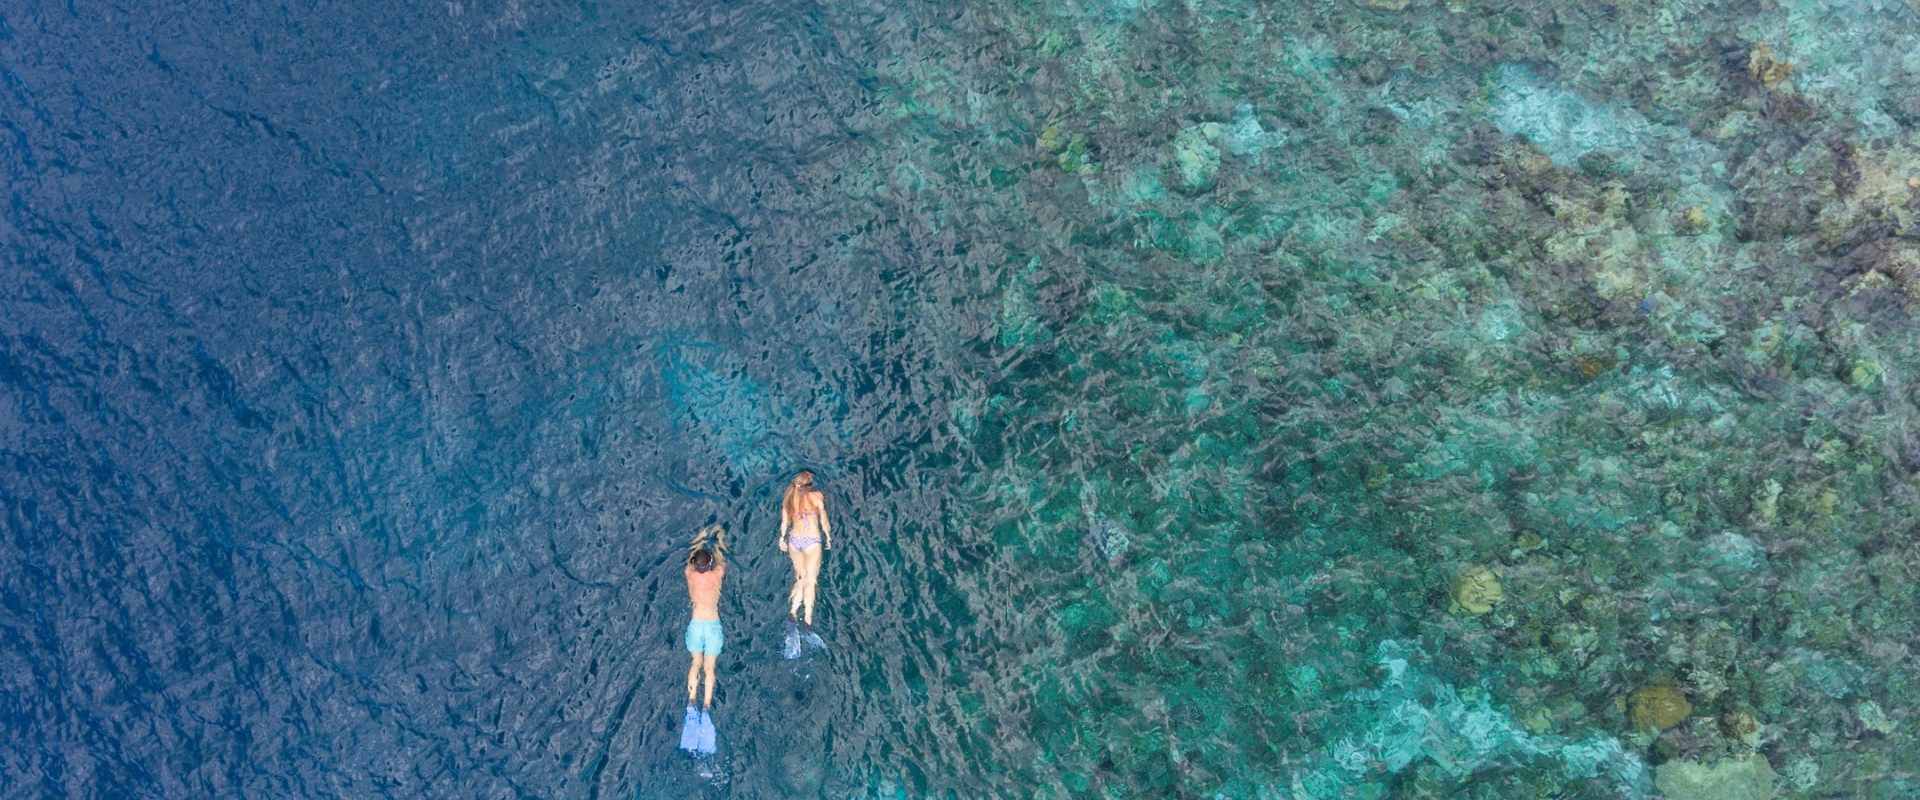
(703, 588)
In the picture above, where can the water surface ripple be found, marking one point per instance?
(364, 372)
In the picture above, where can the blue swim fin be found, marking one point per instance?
(705, 743)
(690, 730)
(813, 639)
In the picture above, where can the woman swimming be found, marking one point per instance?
(804, 533)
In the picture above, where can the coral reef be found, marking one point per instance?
(1347, 312)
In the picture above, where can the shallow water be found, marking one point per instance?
(1215, 399)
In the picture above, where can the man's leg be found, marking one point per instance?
(707, 661)
(693, 680)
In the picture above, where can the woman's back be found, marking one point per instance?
(803, 516)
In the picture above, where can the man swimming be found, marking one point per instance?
(706, 569)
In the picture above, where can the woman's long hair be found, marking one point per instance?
(796, 492)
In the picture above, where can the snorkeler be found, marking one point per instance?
(804, 534)
(706, 569)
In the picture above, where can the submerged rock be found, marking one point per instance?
(1069, 150)
(1873, 718)
(1745, 778)
(1019, 323)
(1733, 554)
(718, 401)
(1740, 726)
(1766, 68)
(1476, 591)
(1802, 774)
(1196, 160)
(1108, 538)
(1658, 707)
(1246, 137)
(1766, 504)
(1561, 122)
(1415, 720)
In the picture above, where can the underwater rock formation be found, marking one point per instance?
(1476, 591)
(713, 395)
(1765, 67)
(1748, 777)
(1658, 707)
(1741, 727)
(1108, 538)
(1415, 718)
(1872, 718)
(1196, 159)
(1568, 126)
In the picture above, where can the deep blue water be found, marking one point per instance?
(363, 371)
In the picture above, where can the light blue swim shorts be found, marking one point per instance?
(703, 636)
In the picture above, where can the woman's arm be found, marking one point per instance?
(826, 527)
(784, 525)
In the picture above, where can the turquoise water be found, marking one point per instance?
(1396, 398)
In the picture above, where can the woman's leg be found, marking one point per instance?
(799, 580)
(812, 579)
